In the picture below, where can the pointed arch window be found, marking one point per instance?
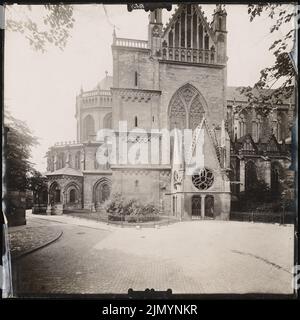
(242, 125)
(177, 34)
(195, 30)
(200, 35)
(170, 38)
(206, 42)
(135, 121)
(183, 30)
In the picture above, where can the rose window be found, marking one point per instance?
(203, 179)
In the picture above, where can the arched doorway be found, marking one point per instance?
(250, 175)
(72, 195)
(209, 206)
(186, 108)
(54, 193)
(196, 207)
(102, 190)
(275, 178)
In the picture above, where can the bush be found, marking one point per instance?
(130, 210)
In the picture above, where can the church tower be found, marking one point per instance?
(219, 28)
(155, 31)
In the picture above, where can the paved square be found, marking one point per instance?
(188, 257)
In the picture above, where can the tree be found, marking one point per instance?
(19, 142)
(36, 182)
(57, 22)
(276, 82)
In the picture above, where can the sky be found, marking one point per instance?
(41, 88)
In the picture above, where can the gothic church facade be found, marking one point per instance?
(177, 79)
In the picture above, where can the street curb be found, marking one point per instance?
(37, 248)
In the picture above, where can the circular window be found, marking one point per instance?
(203, 179)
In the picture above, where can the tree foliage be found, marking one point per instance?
(277, 82)
(19, 142)
(55, 28)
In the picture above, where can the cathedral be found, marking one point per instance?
(175, 80)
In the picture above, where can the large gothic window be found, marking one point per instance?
(88, 127)
(186, 108)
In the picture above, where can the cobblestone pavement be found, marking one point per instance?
(33, 235)
(188, 257)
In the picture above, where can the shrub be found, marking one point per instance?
(130, 210)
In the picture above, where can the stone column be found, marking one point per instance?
(203, 206)
(48, 211)
(242, 175)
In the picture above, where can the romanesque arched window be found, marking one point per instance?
(107, 121)
(88, 127)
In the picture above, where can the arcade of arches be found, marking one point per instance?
(70, 196)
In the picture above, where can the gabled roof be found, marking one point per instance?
(177, 13)
(65, 171)
(245, 140)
